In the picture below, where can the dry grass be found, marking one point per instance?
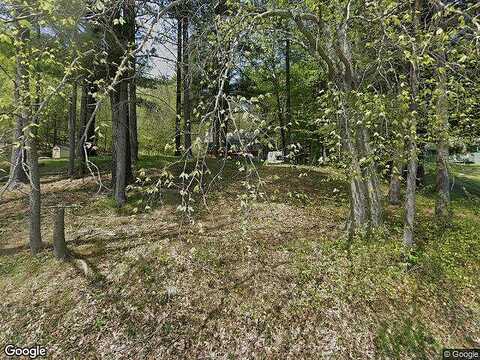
(277, 280)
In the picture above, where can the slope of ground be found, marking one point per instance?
(273, 279)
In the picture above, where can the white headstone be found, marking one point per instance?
(56, 152)
(476, 157)
(275, 157)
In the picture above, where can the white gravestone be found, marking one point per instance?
(56, 152)
(275, 157)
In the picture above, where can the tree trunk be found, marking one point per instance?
(132, 122)
(121, 145)
(187, 110)
(410, 194)
(132, 86)
(83, 125)
(371, 180)
(55, 132)
(59, 245)
(365, 190)
(30, 134)
(72, 121)
(178, 118)
(281, 120)
(288, 96)
(35, 196)
(358, 193)
(442, 206)
(18, 158)
(224, 118)
(394, 188)
(91, 122)
(114, 109)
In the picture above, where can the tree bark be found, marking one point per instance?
(224, 116)
(178, 118)
(365, 190)
(91, 105)
(114, 110)
(442, 206)
(187, 106)
(132, 86)
(281, 120)
(72, 123)
(371, 180)
(121, 145)
(410, 194)
(30, 134)
(288, 96)
(18, 158)
(358, 193)
(132, 121)
(83, 125)
(59, 245)
(394, 188)
(35, 195)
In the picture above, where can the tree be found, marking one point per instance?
(72, 125)
(29, 115)
(408, 235)
(18, 159)
(187, 105)
(178, 117)
(130, 15)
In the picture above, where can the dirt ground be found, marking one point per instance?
(274, 279)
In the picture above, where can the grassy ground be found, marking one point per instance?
(277, 279)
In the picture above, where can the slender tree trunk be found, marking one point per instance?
(121, 145)
(30, 133)
(132, 122)
(178, 118)
(442, 206)
(59, 245)
(128, 160)
(83, 126)
(394, 188)
(358, 192)
(281, 120)
(187, 110)
(410, 194)
(55, 132)
(372, 184)
(114, 108)
(224, 116)
(288, 95)
(35, 195)
(18, 158)
(132, 87)
(365, 194)
(91, 105)
(72, 123)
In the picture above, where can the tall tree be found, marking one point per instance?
(30, 132)
(288, 91)
(187, 105)
(130, 14)
(18, 158)
(410, 196)
(121, 142)
(72, 125)
(442, 205)
(121, 59)
(178, 117)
